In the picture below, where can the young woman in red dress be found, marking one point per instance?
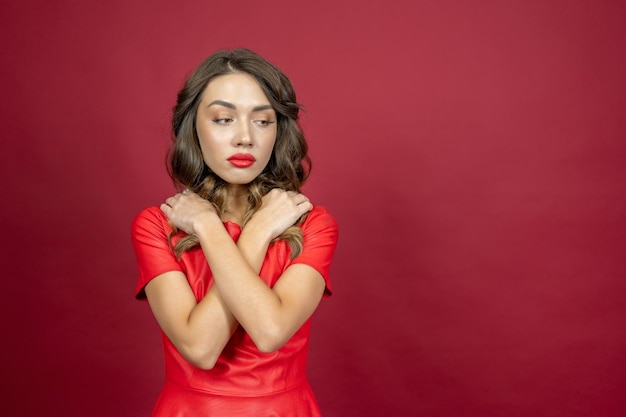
(234, 266)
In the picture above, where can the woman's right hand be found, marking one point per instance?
(186, 211)
(279, 211)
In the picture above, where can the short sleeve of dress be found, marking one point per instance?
(319, 240)
(149, 233)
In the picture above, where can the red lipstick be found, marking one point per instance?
(242, 160)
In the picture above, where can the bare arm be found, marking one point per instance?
(269, 315)
(198, 330)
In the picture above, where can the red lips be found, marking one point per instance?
(242, 160)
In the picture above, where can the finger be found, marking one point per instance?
(305, 207)
(301, 198)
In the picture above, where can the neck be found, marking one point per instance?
(236, 202)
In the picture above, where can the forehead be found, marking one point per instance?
(239, 88)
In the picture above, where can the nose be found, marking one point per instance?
(243, 135)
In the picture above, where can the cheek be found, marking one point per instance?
(272, 140)
(269, 148)
(209, 152)
(207, 139)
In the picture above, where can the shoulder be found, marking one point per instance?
(150, 232)
(320, 221)
(150, 220)
(319, 216)
(320, 235)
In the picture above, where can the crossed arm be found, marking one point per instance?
(200, 330)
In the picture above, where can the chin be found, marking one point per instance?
(243, 177)
(238, 180)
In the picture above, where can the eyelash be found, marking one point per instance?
(225, 120)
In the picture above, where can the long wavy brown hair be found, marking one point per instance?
(289, 164)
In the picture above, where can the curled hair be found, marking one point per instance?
(289, 164)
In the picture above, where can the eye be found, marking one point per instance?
(222, 120)
(264, 122)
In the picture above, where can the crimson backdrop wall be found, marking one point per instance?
(472, 151)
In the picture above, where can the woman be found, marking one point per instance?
(234, 266)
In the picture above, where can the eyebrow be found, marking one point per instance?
(232, 106)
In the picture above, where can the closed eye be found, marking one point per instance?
(223, 120)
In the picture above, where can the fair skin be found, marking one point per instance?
(235, 118)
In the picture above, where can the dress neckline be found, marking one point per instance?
(231, 223)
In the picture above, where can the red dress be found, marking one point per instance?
(244, 381)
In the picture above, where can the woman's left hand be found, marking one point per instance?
(279, 211)
(187, 210)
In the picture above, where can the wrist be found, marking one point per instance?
(256, 233)
(204, 224)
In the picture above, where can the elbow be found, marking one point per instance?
(205, 364)
(268, 347)
(199, 358)
(270, 341)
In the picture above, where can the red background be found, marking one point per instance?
(472, 152)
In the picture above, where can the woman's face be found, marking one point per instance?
(236, 126)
